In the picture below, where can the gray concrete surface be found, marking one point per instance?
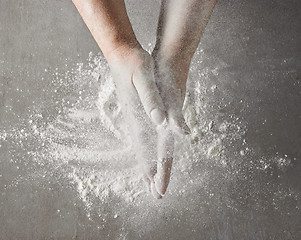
(255, 47)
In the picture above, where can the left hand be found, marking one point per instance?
(171, 83)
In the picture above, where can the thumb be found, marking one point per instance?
(143, 81)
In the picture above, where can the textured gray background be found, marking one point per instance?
(260, 43)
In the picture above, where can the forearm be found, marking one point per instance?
(109, 24)
(180, 27)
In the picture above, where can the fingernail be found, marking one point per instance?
(182, 129)
(186, 130)
(158, 116)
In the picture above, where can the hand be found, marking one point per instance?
(140, 101)
(133, 74)
(171, 77)
(171, 81)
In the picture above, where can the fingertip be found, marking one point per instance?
(163, 176)
(161, 185)
(155, 192)
(180, 127)
(183, 129)
(158, 116)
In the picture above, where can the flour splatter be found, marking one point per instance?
(85, 141)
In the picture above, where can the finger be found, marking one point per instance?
(165, 159)
(173, 100)
(147, 183)
(150, 171)
(154, 191)
(143, 80)
(163, 175)
(177, 123)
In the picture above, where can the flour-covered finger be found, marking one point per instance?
(143, 80)
(155, 192)
(177, 123)
(165, 158)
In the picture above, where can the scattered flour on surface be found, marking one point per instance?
(87, 140)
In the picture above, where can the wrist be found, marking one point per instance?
(174, 59)
(122, 52)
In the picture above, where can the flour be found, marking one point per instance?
(87, 142)
(88, 135)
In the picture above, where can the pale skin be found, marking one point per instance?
(150, 88)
